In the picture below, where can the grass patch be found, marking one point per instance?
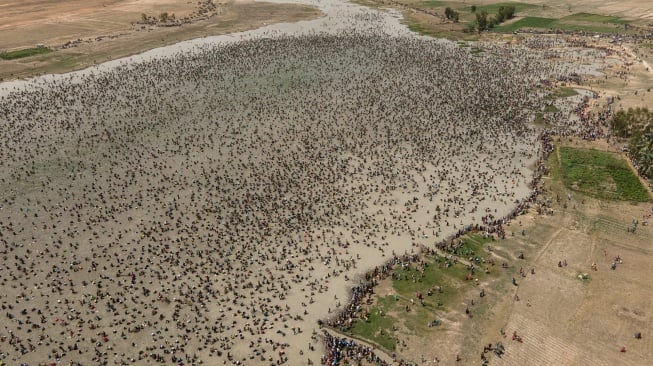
(494, 8)
(409, 281)
(600, 174)
(576, 22)
(539, 118)
(476, 50)
(430, 4)
(418, 26)
(473, 244)
(26, 52)
(421, 29)
(526, 22)
(449, 276)
(563, 92)
(594, 18)
(606, 28)
(395, 314)
(378, 327)
(551, 109)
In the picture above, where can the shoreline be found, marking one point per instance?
(370, 278)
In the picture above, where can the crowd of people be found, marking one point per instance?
(341, 349)
(206, 206)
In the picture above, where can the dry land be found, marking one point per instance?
(79, 34)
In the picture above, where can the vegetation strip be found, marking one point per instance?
(26, 52)
(600, 174)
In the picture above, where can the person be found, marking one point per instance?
(515, 337)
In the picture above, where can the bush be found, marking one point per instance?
(451, 14)
(482, 21)
(505, 13)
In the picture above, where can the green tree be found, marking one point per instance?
(641, 150)
(451, 14)
(504, 13)
(482, 21)
(620, 124)
(646, 164)
(508, 12)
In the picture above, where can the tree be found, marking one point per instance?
(163, 17)
(620, 124)
(451, 14)
(473, 8)
(505, 13)
(646, 164)
(641, 151)
(508, 12)
(481, 20)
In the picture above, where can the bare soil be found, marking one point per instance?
(94, 32)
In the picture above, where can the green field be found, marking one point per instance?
(600, 174)
(575, 22)
(27, 52)
(494, 8)
(526, 22)
(431, 4)
(593, 18)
